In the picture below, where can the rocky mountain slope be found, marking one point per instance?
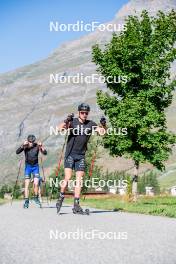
(29, 103)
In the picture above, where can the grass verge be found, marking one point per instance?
(158, 205)
(2, 201)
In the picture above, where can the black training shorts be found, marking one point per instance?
(75, 163)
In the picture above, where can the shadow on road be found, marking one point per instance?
(104, 211)
(53, 206)
(95, 212)
(91, 211)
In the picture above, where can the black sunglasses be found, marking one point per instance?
(84, 113)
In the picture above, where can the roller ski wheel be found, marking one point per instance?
(87, 211)
(78, 210)
(26, 204)
(59, 204)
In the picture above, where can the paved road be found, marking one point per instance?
(40, 236)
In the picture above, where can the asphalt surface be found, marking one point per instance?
(32, 236)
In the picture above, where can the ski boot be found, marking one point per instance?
(26, 204)
(59, 203)
(37, 201)
(78, 210)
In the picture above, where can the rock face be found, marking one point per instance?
(136, 6)
(29, 103)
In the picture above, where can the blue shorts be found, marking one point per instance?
(31, 169)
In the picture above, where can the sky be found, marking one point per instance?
(24, 26)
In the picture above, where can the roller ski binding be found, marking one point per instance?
(59, 204)
(78, 210)
(26, 204)
(37, 201)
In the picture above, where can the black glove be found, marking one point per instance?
(25, 145)
(103, 121)
(69, 118)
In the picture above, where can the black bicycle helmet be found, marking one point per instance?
(31, 138)
(84, 107)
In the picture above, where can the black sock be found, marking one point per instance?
(76, 200)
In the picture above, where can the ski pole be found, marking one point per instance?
(60, 161)
(43, 140)
(61, 156)
(46, 193)
(19, 169)
(92, 164)
(67, 123)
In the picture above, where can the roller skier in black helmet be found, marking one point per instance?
(31, 149)
(80, 130)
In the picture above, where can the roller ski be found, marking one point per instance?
(78, 210)
(26, 204)
(37, 201)
(59, 204)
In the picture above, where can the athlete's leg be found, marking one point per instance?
(68, 165)
(26, 188)
(36, 185)
(68, 174)
(27, 175)
(80, 171)
(36, 174)
(79, 177)
(39, 189)
(77, 208)
(36, 191)
(26, 192)
(64, 183)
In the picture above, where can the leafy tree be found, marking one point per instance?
(143, 53)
